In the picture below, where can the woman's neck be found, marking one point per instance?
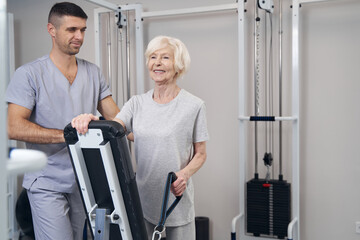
(165, 93)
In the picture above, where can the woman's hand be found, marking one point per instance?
(179, 186)
(81, 122)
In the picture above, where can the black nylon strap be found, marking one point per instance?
(164, 211)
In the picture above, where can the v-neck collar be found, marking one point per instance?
(57, 69)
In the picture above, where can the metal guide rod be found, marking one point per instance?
(266, 83)
(271, 80)
(280, 87)
(120, 70)
(256, 80)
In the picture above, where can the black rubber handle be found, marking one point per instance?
(262, 118)
(173, 177)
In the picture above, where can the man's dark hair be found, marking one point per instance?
(65, 9)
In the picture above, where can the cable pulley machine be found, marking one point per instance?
(268, 201)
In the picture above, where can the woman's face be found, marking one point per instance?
(161, 65)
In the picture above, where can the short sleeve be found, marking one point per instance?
(104, 87)
(200, 128)
(22, 89)
(126, 114)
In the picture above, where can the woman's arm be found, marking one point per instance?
(179, 186)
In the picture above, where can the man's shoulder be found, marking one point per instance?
(37, 62)
(86, 63)
(34, 66)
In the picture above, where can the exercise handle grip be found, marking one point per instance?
(173, 177)
(262, 118)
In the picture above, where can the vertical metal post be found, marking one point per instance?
(139, 35)
(108, 45)
(242, 97)
(4, 76)
(102, 227)
(97, 36)
(295, 113)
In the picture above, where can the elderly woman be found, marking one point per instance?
(169, 130)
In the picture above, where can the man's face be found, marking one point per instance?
(69, 35)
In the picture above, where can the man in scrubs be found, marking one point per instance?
(43, 97)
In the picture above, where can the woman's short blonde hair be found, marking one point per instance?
(181, 55)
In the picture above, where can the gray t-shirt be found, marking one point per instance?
(40, 87)
(163, 136)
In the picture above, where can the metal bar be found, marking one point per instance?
(314, 1)
(115, 190)
(280, 86)
(102, 226)
(139, 42)
(242, 133)
(291, 227)
(276, 118)
(121, 67)
(97, 13)
(234, 221)
(127, 44)
(256, 80)
(83, 178)
(295, 188)
(11, 45)
(108, 45)
(186, 11)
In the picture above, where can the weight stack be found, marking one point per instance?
(268, 207)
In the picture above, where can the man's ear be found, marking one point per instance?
(51, 29)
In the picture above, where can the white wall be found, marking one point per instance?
(330, 166)
(330, 120)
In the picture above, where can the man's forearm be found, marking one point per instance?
(27, 131)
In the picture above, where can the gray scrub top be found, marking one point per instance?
(43, 89)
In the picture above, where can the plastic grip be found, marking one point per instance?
(233, 236)
(262, 118)
(173, 177)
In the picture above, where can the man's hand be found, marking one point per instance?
(81, 122)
